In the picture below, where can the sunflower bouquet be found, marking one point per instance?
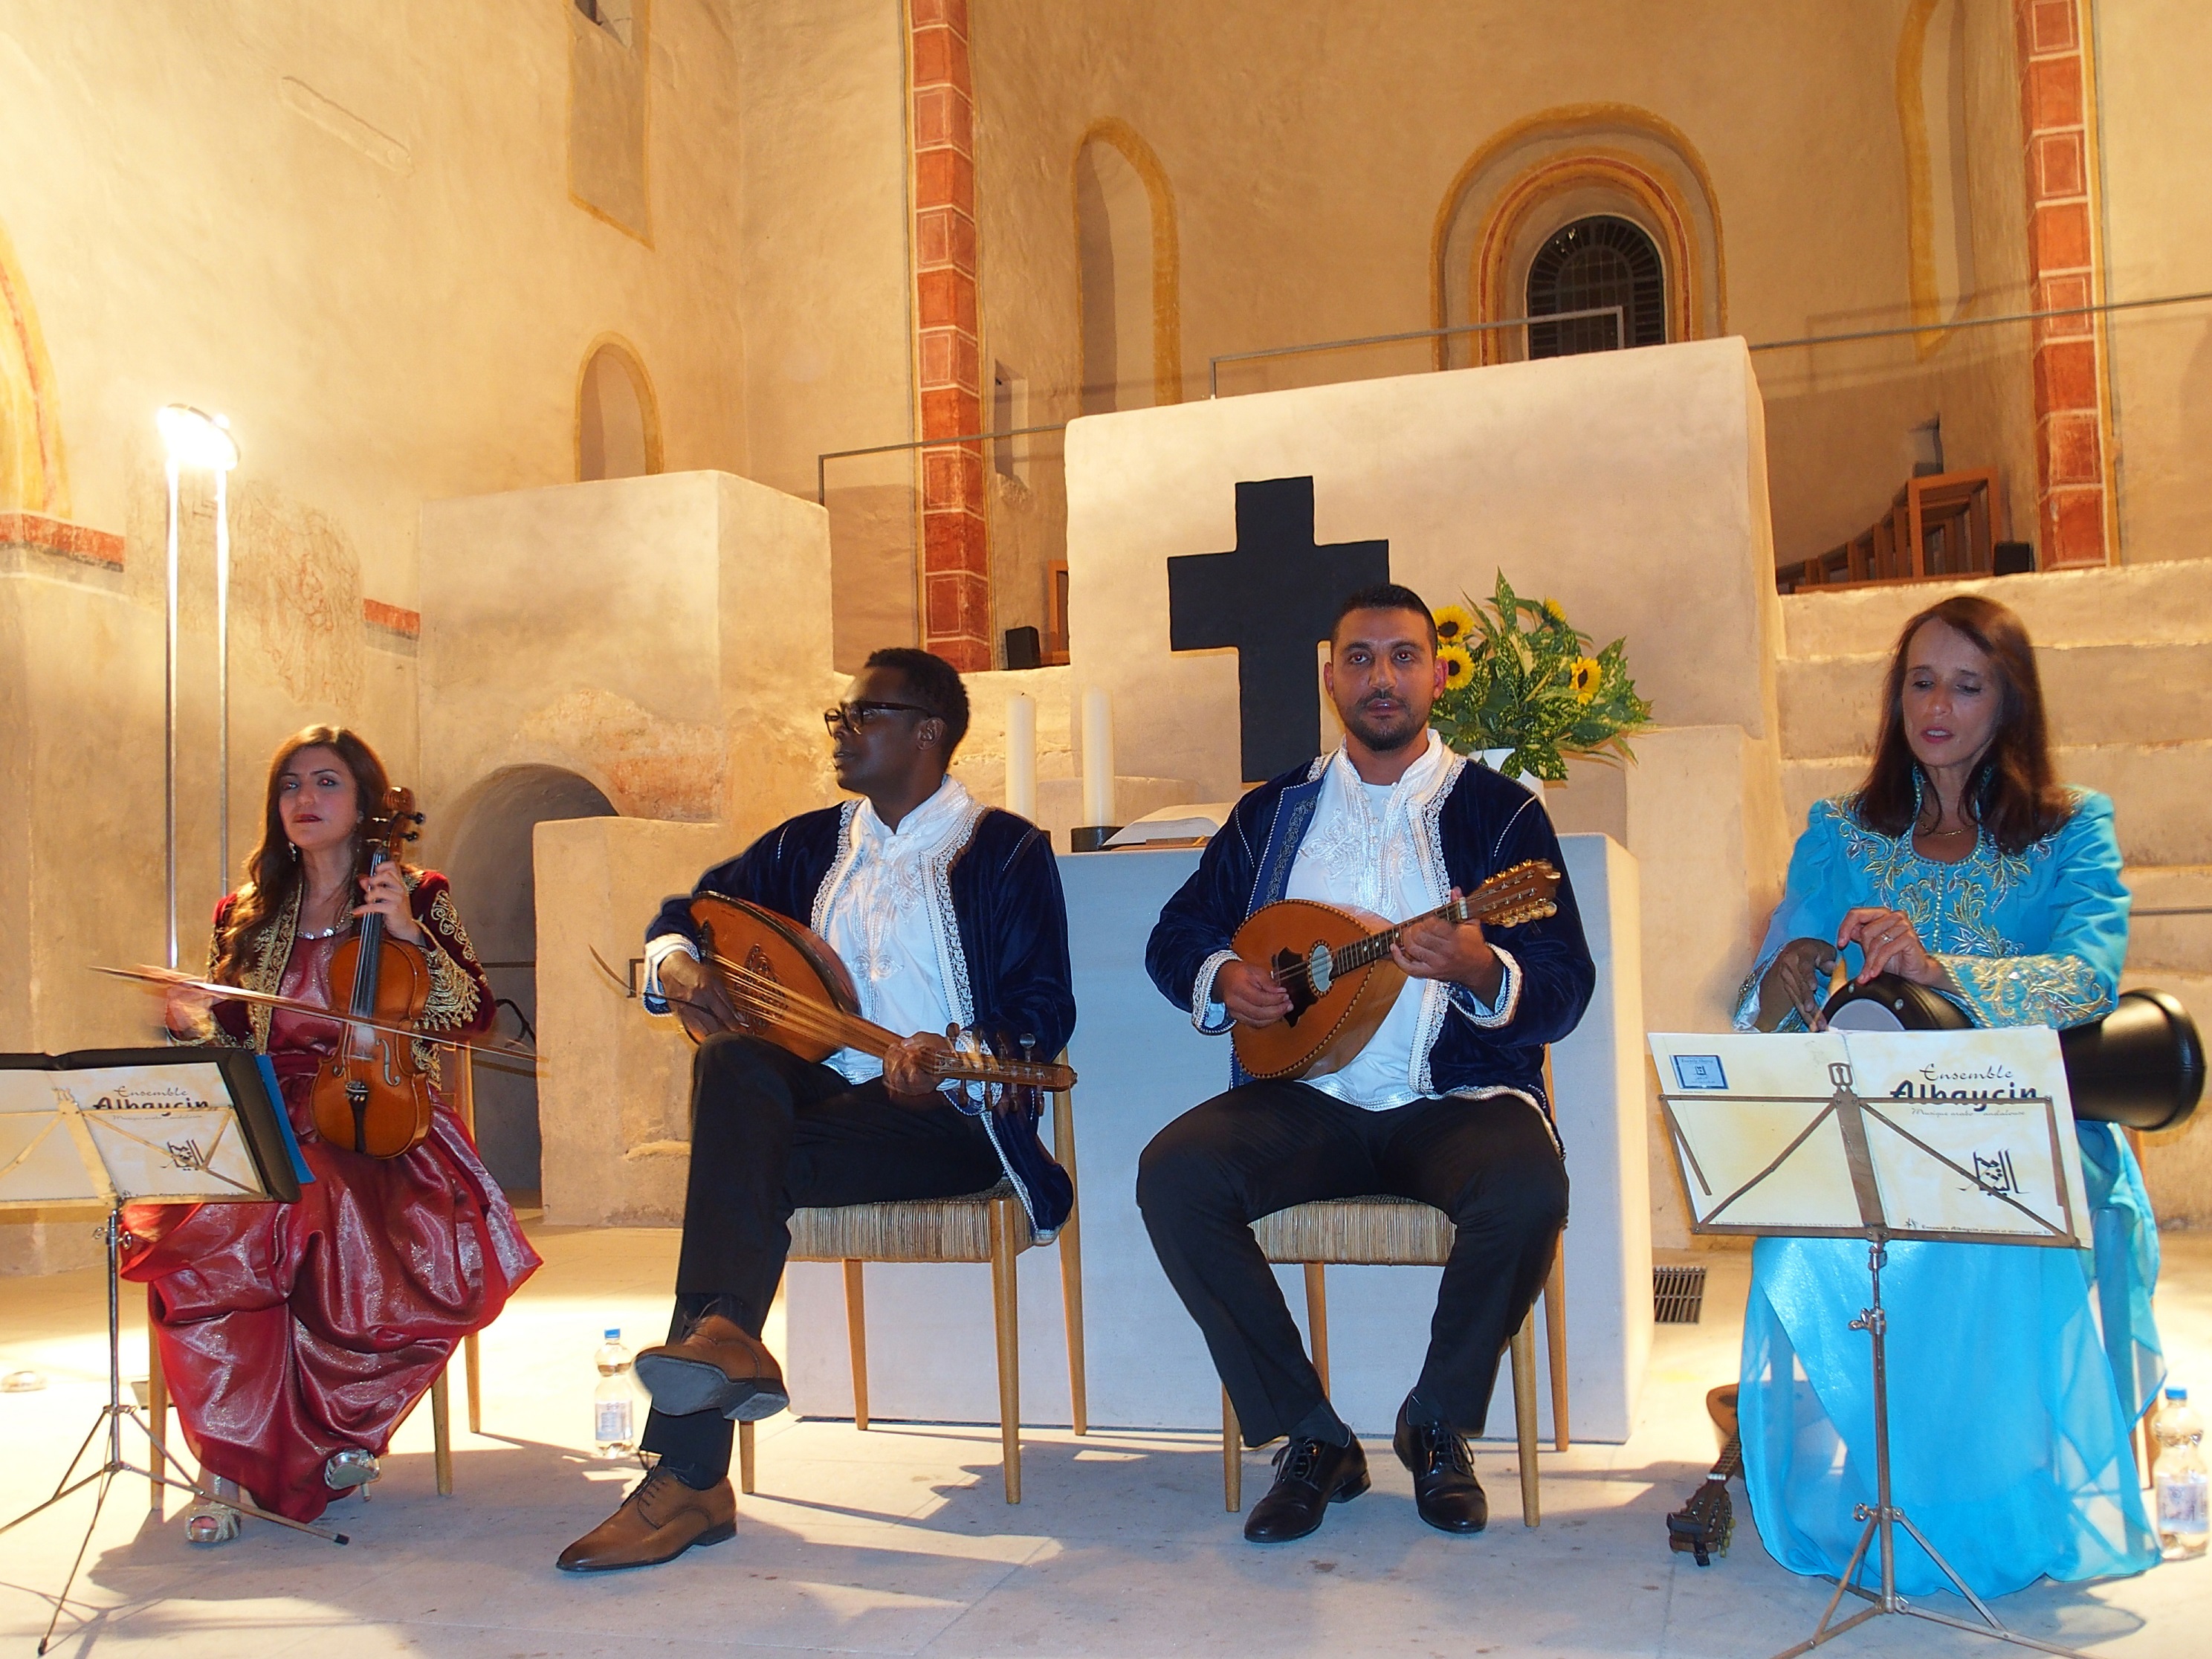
(1519, 677)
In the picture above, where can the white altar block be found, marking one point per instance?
(1141, 1065)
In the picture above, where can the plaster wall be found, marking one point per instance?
(827, 284)
(666, 638)
(2155, 132)
(613, 1083)
(1311, 147)
(351, 232)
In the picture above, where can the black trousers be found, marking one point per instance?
(771, 1133)
(1489, 1164)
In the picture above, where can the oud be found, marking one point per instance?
(1334, 961)
(788, 986)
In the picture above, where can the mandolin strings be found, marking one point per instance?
(1511, 896)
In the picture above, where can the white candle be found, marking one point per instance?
(1021, 756)
(1098, 756)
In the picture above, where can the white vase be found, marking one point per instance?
(1495, 759)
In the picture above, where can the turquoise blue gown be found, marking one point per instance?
(2012, 1389)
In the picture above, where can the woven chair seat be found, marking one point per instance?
(904, 1230)
(1381, 1231)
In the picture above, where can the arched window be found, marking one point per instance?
(1599, 261)
(618, 425)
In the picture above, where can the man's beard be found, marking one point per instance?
(1386, 736)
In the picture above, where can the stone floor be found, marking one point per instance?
(899, 1542)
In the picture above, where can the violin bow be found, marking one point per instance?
(172, 978)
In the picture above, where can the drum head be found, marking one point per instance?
(1887, 1003)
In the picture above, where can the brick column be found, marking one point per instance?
(955, 580)
(2073, 473)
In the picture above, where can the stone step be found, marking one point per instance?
(2106, 694)
(2171, 928)
(2159, 794)
(2165, 603)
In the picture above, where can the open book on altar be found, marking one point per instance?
(1966, 1135)
(170, 1125)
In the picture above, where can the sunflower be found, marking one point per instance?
(1584, 677)
(1552, 610)
(1459, 665)
(1454, 624)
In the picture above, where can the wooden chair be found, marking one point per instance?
(987, 1226)
(1401, 1232)
(463, 1089)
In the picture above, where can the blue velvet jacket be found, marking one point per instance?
(1012, 980)
(1478, 823)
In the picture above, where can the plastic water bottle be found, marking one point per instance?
(614, 1402)
(2182, 1521)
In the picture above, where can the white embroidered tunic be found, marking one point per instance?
(1364, 849)
(885, 911)
(878, 910)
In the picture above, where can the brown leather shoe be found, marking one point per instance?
(719, 1367)
(660, 1519)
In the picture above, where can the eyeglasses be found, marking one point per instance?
(856, 717)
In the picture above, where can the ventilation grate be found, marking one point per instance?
(1678, 1295)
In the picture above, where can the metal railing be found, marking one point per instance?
(1980, 322)
(821, 461)
(1214, 363)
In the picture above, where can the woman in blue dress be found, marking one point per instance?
(2015, 1374)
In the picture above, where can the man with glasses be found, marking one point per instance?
(947, 912)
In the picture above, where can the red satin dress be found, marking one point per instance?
(292, 1331)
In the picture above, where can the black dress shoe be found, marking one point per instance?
(1445, 1492)
(1309, 1476)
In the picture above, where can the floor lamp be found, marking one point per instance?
(197, 442)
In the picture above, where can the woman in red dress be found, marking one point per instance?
(295, 1336)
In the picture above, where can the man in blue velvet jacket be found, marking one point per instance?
(945, 912)
(1445, 1104)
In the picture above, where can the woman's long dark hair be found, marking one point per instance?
(272, 874)
(2013, 794)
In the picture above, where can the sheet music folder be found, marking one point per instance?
(1964, 1135)
(166, 1125)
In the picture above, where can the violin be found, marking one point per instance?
(371, 1097)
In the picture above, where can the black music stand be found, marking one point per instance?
(1845, 1165)
(121, 1126)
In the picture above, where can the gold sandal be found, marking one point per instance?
(212, 1521)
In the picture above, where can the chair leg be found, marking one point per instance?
(157, 1403)
(441, 1435)
(746, 1458)
(1555, 1338)
(1004, 1217)
(856, 1339)
(1318, 1318)
(1071, 1266)
(1524, 1418)
(1232, 1456)
(472, 1374)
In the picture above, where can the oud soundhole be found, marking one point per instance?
(766, 1004)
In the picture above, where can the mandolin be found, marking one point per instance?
(1335, 963)
(788, 986)
(1703, 1525)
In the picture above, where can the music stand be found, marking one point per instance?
(1960, 1137)
(119, 1125)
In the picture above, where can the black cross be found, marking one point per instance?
(1272, 599)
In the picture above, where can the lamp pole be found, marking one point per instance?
(194, 439)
